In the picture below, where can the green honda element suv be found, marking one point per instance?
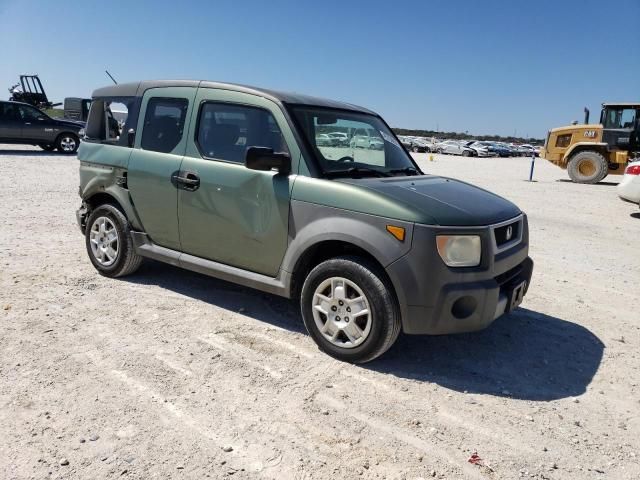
(240, 183)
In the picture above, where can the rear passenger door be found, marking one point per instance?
(155, 160)
(235, 216)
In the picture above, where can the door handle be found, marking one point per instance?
(186, 180)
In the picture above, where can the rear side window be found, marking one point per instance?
(9, 112)
(164, 124)
(225, 131)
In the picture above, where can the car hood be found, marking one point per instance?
(70, 123)
(441, 200)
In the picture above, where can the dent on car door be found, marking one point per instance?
(236, 216)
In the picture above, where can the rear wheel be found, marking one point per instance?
(109, 244)
(587, 166)
(68, 143)
(349, 309)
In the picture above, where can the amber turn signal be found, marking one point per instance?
(397, 232)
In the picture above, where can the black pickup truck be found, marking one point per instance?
(21, 123)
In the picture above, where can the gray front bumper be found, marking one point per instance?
(435, 299)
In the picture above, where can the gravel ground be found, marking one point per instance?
(171, 374)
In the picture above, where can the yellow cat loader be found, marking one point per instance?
(590, 152)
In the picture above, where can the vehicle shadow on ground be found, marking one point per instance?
(33, 153)
(606, 184)
(636, 215)
(525, 355)
(265, 307)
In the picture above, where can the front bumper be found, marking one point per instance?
(435, 299)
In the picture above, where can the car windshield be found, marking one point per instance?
(367, 146)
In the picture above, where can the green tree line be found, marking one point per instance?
(464, 136)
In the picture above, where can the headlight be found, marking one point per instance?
(459, 250)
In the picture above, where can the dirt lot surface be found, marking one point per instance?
(171, 374)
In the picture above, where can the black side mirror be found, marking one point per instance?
(263, 158)
(131, 137)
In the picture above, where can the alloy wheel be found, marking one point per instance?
(341, 312)
(104, 241)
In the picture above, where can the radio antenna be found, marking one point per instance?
(111, 77)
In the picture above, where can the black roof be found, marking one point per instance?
(138, 89)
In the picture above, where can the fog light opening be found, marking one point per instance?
(464, 307)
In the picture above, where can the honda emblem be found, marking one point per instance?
(509, 232)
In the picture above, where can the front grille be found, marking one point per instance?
(507, 233)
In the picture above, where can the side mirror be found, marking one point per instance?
(131, 137)
(263, 158)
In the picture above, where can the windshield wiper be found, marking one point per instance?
(408, 170)
(360, 171)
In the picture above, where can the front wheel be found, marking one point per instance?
(349, 309)
(67, 143)
(587, 167)
(109, 243)
(466, 153)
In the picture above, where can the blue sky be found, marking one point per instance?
(479, 66)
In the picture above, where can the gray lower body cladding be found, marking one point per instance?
(435, 299)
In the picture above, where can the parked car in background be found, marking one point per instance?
(421, 145)
(498, 150)
(530, 149)
(366, 139)
(406, 141)
(324, 139)
(510, 151)
(629, 187)
(520, 150)
(24, 124)
(480, 149)
(455, 147)
(340, 139)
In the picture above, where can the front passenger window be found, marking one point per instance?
(164, 124)
(29, 114)
(225, 131)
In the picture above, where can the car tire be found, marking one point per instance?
(107, 226)
(328, 292)
(67, 143)
(440, 151)
(47, 147)
(587, 167)
(465, 153)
